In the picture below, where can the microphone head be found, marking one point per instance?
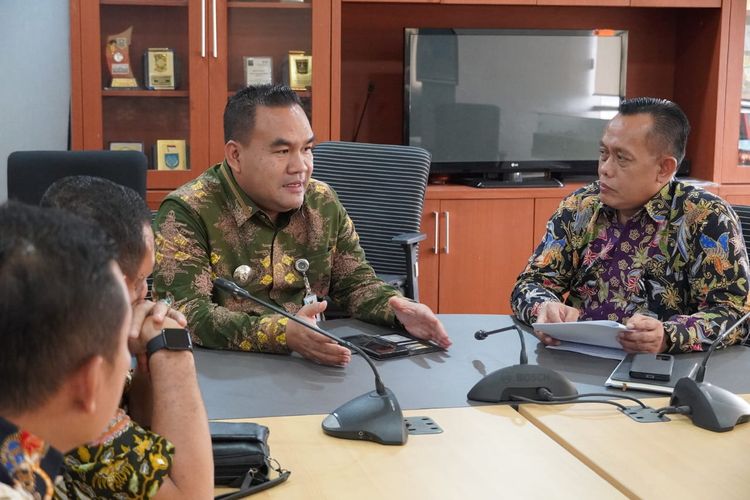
(480, 335)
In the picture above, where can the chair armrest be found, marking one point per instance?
(409, 238)
(408, 242)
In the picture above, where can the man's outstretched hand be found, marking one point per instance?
(420, 321)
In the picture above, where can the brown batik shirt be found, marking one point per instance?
(209, 227)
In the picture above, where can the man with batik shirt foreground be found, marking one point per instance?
(259, 214)
(665, 258)
(164, 452)
(64, 324)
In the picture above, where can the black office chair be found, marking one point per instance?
(382, 188)
(30, 173)
(743, 213)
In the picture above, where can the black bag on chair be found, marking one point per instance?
(241, 458)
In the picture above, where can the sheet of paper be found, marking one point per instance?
(601, 333)
(591, 350)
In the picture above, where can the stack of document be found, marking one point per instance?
(595, 338)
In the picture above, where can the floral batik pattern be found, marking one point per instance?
(681, 259)
(126, 462)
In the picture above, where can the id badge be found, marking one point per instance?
(312, 299)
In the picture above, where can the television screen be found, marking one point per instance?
(494, 102)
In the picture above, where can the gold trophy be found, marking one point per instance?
(118, 60)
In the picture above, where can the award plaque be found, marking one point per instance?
(158, 69)
(118, 60)
(171, 154)
(300, 70)
(258, 70)
(126, 146)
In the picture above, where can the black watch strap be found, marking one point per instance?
(173, 339)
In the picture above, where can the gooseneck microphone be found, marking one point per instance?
(524, 383)
(512, 383)
(374, 416)
(710, 406)
(481, 335)
(702, 368)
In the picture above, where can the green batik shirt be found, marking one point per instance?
(209, 227)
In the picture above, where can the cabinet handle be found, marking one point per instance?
(215, 35)
(436, 246)
(447, 232)
(203, 29)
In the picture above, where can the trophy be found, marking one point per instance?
(118, 60)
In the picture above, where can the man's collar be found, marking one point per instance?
(658, 206)
(243, 206)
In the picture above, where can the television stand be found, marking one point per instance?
(479, 182)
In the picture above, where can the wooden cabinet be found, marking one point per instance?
(690, 51)
(478, 240)
(677, 49)
(735, 163)
(593, 3)
(209, 39)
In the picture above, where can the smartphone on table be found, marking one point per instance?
(652, 366)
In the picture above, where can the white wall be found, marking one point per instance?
(34, 77)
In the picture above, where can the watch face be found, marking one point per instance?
(177, 338)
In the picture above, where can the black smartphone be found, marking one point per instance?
(652, 366)
(377, 347)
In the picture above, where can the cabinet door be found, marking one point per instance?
(103, 115)
(429, 257)
(486, 243)
(269, 42)
(736, 158)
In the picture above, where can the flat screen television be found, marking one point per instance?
(497, 106)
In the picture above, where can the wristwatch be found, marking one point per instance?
(173, 339)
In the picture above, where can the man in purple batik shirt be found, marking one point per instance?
(664, 258)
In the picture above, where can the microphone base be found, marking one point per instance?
(520, 380)
(712, 407)
(369, 417)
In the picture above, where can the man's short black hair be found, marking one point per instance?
(671, 126)
(117, 209)
(239, 113)
(60, 301)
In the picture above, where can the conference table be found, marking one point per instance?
(487, 450)
(671, 459)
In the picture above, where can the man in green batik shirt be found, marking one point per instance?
(260, 208)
